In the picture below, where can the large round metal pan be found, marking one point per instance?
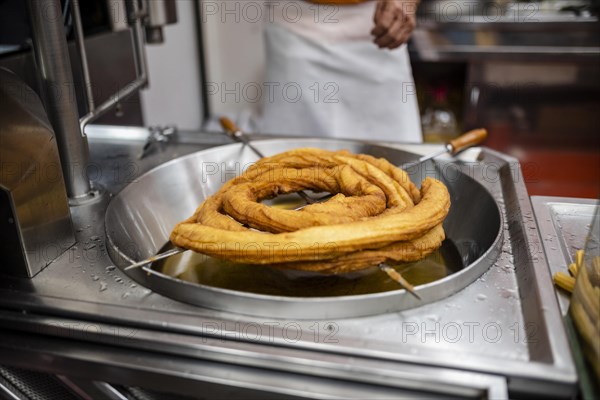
(141, 217)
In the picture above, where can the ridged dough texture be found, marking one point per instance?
(377, 214)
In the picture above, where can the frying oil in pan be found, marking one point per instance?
(198, 268)
(201, 269)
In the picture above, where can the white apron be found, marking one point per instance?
(330, 79)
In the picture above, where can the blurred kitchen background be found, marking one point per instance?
(527, 71)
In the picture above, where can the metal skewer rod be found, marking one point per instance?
(158, 257)
(236, 134)
(461, 143)
(395, 275)
(392, 273)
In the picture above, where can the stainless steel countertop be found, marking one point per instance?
(564, 225)
(465, 30)
(80, 316)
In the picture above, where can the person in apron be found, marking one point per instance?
(340, 68)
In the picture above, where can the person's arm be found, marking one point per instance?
(395, 21)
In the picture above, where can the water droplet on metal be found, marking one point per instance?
(433, 318)
(508, 293)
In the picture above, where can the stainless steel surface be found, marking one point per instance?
(160, 14)
(35, 224)
(117, 11)
(141, 79)
(162, 198)
(223, 379)
(466, 30)
(158, 257)
(520, 58)
(85, 71)
(157, 134)
(78, 316)
(54, 69)
(513, 15)
(91, 390)
(564, 225)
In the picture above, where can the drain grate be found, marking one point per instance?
(21, 384)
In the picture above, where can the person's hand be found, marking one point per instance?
(394, 22)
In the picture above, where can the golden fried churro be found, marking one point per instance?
(377, 215)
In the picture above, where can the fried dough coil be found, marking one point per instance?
(377, 215)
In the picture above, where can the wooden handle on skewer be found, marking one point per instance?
(228, 125)
(469, 139)
(395, 275)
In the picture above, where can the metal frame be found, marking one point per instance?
(559, 219)
(54, 68)
(136, 16)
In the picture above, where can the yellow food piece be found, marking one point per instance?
(564, 281)
(376, 215)
(579, 258)
(585, 311)
(573, 269)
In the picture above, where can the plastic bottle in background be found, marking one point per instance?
(439, 122)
